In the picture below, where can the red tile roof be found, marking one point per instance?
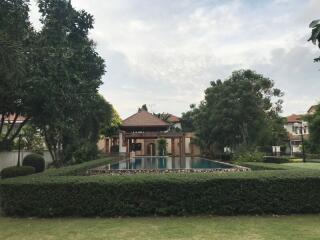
(294, 118)
(312, 109)
(174, 119)
(143, 119)
(11, 118)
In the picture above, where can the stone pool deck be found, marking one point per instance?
(104, 170)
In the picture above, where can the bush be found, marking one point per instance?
(222, 156)
(275, 159)
(313, 156)
(114, 149)
(86, 152)
(267, 192)
(248, 156)
(11, 172)
(36, 161)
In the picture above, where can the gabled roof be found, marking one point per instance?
(11, 117)
(312, 109)
(173, 119)
(294, 118)
(143, 119)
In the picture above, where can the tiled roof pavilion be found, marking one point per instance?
(144, 120)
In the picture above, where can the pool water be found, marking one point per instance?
(169, 163)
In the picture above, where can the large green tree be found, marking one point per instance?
(313, 143)
(110, 127)
(16, 39)
(239, 111)
(188, 119)
(315, 35)
(69, 71)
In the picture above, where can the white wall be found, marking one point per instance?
(122, 149)
(8, 159)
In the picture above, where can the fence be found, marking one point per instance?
(8, 159)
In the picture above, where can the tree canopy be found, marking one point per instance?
(315, 34)
(51, 77)
(16, 36)
(238, 111)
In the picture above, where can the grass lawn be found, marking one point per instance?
(240, 227)
(307, 165)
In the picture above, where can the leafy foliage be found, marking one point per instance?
(36, 161)
(277, 192)
(31, 139)
(109, 129)
(15, 68)
(275, 159)
(238, 112)
(312, 145)
(11, 172)
(69, 73)
(248, 156)
(188, 119)
(315, 35)
(162, 146)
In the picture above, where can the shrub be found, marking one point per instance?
(114, 149)
(162, 146)
(275, 159)
(222, 156)
(313, 156)
(259, 192)
(11, 172)
(86, 152)
(248, 156)
(36, 161)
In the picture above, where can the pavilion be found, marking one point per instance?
(139, 134)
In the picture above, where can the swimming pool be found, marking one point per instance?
(169, 163)
(159, 164)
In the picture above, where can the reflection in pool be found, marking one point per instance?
(169, 163)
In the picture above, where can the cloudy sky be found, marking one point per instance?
(165, 52)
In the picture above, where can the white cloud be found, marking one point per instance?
(164, 53)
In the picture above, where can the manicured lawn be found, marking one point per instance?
(307, 165)
(240, 228)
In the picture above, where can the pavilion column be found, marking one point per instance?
(172, 147)
(191, 147)
(107, 142)
(183, 147)
(135, 141)
(128, 145)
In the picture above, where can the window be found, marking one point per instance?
(136, 146)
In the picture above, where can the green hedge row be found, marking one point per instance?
(278, 192)
(275, 159)
(11, 172)
(79, 169)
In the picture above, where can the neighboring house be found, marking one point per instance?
(139, 134)
(9, 120)
(296, 127)
(174, 121)
(312, 109)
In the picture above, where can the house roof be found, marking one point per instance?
(174, 119)
(11, 117)
(294, 118)
(312, 109)
(143, 119)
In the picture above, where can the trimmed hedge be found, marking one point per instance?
(313, 156)
(11, 172)
(278, 192)
(79, 169)
(275, 159)
(34, 160)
